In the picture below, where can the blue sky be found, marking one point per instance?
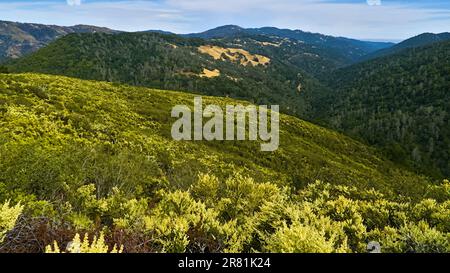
(362, 19)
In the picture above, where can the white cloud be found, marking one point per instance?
(73, 2)
(374, 2)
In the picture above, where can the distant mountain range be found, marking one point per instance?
(417, 41)
(18, 39)
(351, 49)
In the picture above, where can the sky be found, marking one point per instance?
(386, 20)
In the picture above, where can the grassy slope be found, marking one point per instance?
(58, 132)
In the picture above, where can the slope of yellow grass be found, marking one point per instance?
(268, 44)
(237, 55)
(210, 73)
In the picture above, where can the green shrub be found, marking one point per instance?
(8, 217)
(299, 239)
(421, 238)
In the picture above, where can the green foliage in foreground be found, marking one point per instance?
(8, 218)
(240, 215)
(85, 156)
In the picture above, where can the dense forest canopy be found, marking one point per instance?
(400, 103)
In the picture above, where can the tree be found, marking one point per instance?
(4, 69)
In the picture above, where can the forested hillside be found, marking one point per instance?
(345, 49)
(85, 156)
(19, 39)
(400, 103)
(312, 59)
(397, 103)
(176, 63)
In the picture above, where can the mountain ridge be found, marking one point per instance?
(413, 42)
(356, 48)
(19, 39)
